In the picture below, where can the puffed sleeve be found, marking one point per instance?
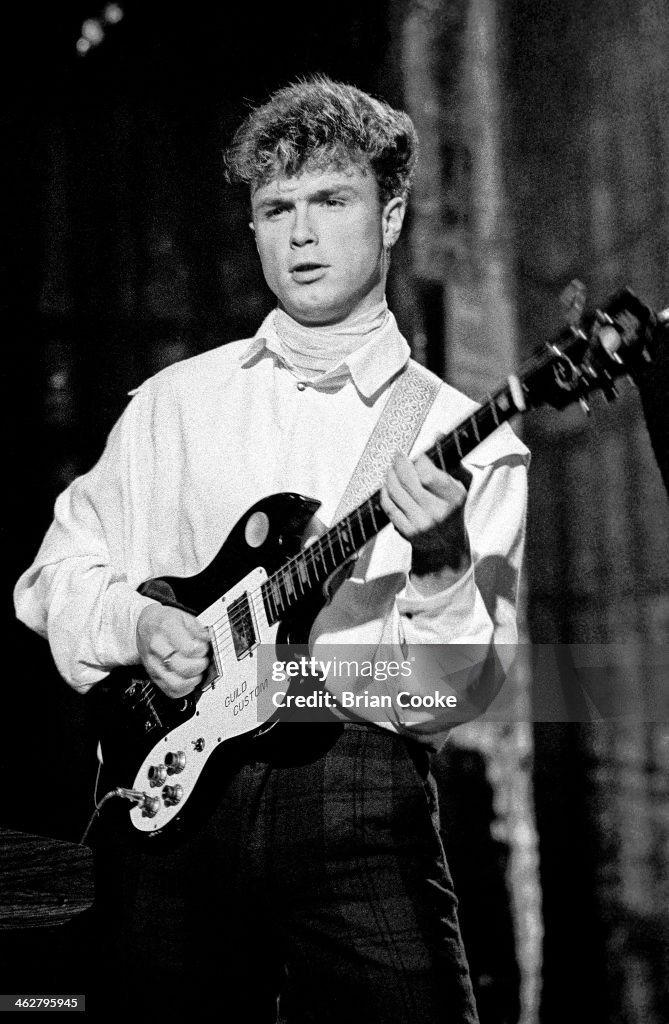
(80, 592)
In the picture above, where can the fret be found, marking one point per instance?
(361, 523)
(302, 572)
(296, 577)
(516, 392)
(323, 555)
(282, 580)
(270, 607)
(276, 592)
(328, 537)
(288, 581)
(344, 538)
(318, 560)
(309, 566)
(357, 513)
(369, 519)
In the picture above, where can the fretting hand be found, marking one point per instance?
(426, 506)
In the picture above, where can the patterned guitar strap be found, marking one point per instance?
(404, 413)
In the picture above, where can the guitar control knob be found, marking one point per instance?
(175, 762)
(172, 795)
(150, 806)
(198, 745)
(157, 774)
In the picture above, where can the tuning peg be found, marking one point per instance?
(572, 300)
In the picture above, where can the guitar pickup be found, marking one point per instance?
(242, 626)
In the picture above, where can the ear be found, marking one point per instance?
(253, 232)
(392, 219)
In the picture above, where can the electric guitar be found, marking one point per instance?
(264, 588)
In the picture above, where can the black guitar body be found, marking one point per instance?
(134, 715)
(272, 587)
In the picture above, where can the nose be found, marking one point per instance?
(303, 230)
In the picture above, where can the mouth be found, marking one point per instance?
(307, 270)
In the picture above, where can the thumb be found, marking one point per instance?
(195, 628)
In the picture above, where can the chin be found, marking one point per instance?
(314, 316)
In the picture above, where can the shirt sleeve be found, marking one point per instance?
(462, 640)
(455, 643)
(80, 592)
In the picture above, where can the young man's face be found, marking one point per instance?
(321, 237)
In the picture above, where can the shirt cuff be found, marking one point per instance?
(121, 609)
(461, 601)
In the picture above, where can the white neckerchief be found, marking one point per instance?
(315, 350)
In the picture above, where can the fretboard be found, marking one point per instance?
(312, 566)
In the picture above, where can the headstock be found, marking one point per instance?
(593, 350)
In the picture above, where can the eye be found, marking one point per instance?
(274, 211)
(334, 203)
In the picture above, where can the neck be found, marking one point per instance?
(315, 350)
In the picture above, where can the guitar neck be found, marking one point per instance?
(312, 566)
(558, 373)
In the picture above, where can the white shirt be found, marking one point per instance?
(205, 439)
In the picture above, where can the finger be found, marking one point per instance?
(403, 500)
(176, 641)
(404, 471)
(172, 684)
(180, 689)
(397, 517)
(184, 628)
(423, 508)
(424, 483)
(184, 664)
(195, 649)
(174, 661)
(439, 483)
(195, 628)
(193, 667)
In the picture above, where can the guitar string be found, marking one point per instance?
(541, 359)
(316, 552)
(280, 586)
(290, 570)
(314, 555)
(280, 589)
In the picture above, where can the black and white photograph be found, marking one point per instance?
(336, 535)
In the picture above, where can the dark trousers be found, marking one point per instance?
(318, 885)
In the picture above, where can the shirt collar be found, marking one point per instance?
(369, 367)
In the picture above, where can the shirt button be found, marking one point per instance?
(301, 386)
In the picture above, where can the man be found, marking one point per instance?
(320, 877)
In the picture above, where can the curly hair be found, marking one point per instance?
(316, 123)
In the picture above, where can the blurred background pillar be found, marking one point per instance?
(461, 241)
(588, 156)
